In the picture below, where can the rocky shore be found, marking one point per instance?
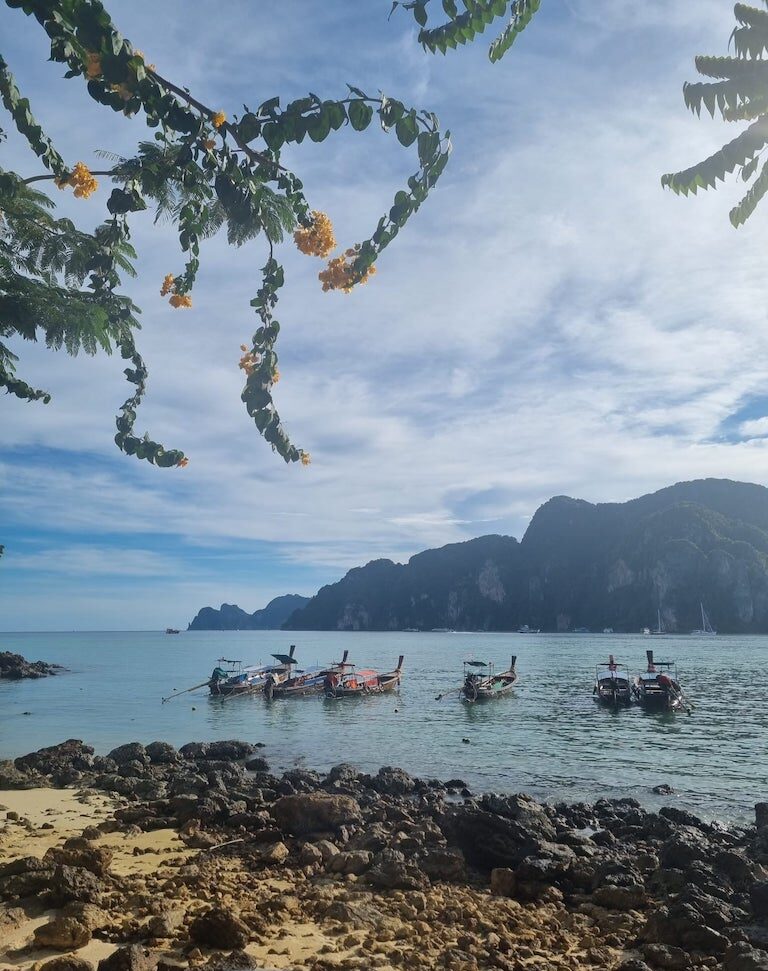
(200, 857)
(14, 667)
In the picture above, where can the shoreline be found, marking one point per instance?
(154, 858)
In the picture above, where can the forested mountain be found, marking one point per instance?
(231, 617)
(579, 564)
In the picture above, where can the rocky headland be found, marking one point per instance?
(14, 667)
(158, 858)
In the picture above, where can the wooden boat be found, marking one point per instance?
(481, 683)
(351, 682)
(251, 679)
(309, 681)
(172, 630)
(658, 689)
(612, 684)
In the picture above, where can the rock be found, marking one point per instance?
(162, 753)
(257, 765)
(352, 861)
(614, 897)
(503, 882)
(274, 853)
(444, 863)
(685, 847)
(315, 812)
(327, 849)
(758, 896)
(390, 871)
(12, 778)
(167, 922)
(742, 957)
(393, 782)
(664, 956)
(63, 934)
(67, 962)
(230, 751)
(665, 789)
(14, 667)
(130, 958)
(78, 852)
(72, 754)
(343, 774)
(219, 928)
(310, 854)
(681, 925)
(234, 961)
(130, 752)
(93, 917)
(74, 883)
(359, 914)
(194, 750)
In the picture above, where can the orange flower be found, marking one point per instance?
(317, 239)
(180, 300)
(182, 463)
(169, 285)
(81, 181)
(306, 459)
(275, 376)
(341, 275)
(218, 119)
(209, 143)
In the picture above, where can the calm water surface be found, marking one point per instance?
(549, 738)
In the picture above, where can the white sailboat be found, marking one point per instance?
(706, 628)
(659, 629)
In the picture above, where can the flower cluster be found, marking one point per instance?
(317, 239)
(249, 361)
(81, 180)
(169, 287)
(93, 64)
(306, 459)
(182, 463)
(209, 143)
(340, 274)
(219, 119)
(275, 376)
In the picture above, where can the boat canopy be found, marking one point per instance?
(284, 658)
(476, 664)
(613, 675)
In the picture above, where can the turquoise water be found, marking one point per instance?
(549, 738)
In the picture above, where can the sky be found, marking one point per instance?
(551, 321)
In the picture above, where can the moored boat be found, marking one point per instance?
(305, 682)
(251, 679)
(352, 682)
(481, 683)
(172, 630)
(612, 684)
(658, 688)
(706, 630)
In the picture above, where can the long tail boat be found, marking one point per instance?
(309, 681)
(612, 684)
(239, 680)
(658, 688)
(481, 683)
(351, 682)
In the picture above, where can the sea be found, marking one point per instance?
(548, 738)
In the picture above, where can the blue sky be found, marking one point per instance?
(550, 322)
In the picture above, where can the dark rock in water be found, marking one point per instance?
(219, 928)
(130, 958)
(315, 812)
(162, 753)
(14, 667)
(257, 765)
(663, 790)
(393, 782)
(194, 750)
(62, 934)
(72, 754)
(227, 751)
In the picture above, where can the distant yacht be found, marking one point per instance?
(525, 629)
(442, 630)
(706, 628)
(607, 630)
(646, 631)
(659, 629)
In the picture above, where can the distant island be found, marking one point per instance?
(231, 617)
(579, 565)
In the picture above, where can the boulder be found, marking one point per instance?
(503, 882)
(685, 847)
(666, 956)
(390, 871)
(444, 863)
(67, 962)
(219, 928)
(78, 852)
(234, 961)
(351, 861)
(742, 957)
(315, 812)
(63, 934)
(166, 922)
(162, 753)
(72, 754)
(130, 752)
(258, 764)
(130, 958)
(74, 883)
(13, 778)
(230, 751)
(393, 782)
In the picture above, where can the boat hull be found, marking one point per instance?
(500, 687)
